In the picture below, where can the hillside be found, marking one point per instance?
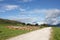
(12, 22)
(11, 28)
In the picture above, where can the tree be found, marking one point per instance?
(28, 24)
(23, 23)
(36, 24)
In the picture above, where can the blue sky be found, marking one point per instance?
(31, 11)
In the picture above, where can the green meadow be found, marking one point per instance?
(56, 33)
(7, 33)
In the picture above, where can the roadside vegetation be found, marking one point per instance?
(7, 33)
(56, 33)
(11, 28)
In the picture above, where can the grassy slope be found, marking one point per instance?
(7, 33)
(56, 33)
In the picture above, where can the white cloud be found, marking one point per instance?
(51, 14)
(26, 20)
(10, 7)
(5, 8)
(47, 12)
(23, 18)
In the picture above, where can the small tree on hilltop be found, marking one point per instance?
(36, 24)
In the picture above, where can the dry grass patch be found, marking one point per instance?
(29, 28)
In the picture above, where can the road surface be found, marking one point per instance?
(41, 34)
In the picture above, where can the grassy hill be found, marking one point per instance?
(11, 22)
(7, 33)
(55, 33)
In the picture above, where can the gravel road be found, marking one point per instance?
(41, 34)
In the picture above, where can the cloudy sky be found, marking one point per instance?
(31, 11)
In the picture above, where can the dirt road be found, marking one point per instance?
(42, 34)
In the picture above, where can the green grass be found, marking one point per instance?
(7, 33)
(56, 33)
